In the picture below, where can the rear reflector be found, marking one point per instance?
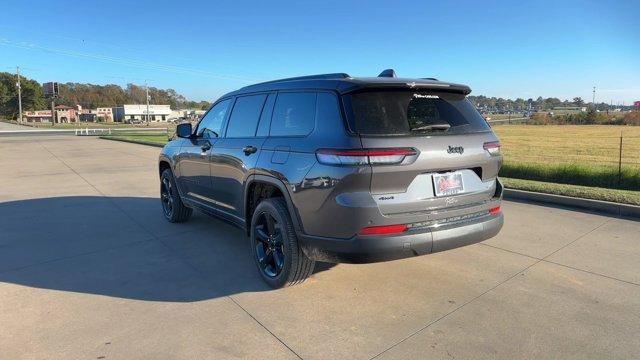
(390, 156)
(492, 148)
(383, 230)
(494, 211)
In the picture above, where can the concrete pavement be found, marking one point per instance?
(90, 269)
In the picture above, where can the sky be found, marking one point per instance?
(203, 49)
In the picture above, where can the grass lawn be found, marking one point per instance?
(573, 154)
(587, 192)
(593, 144)
(141, 138)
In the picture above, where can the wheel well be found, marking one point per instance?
(257, 192)
(164, 166)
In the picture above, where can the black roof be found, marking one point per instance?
(343, 83)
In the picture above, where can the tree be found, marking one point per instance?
(577, 101)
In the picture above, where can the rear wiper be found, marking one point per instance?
(442, 127)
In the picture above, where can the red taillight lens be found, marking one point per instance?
(495, 211)
(383, 230)
(492, 148)
(364, 156)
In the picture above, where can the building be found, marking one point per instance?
(65, 114)
(129, 113)
(104, 114)
(37, 116)
(565, 110)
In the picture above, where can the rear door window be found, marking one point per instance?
(245, 115)
(404, 112)
(294, 114)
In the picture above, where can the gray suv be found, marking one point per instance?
(339, 169)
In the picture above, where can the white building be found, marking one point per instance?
(127, 113)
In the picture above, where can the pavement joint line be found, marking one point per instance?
(175, 253)
(559, 264)
(483, 293)
(263, 326)
(203, 275)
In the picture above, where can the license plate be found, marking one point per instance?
(448, 184)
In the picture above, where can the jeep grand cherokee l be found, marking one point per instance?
(340, 169)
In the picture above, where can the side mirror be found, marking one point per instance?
(184, 130)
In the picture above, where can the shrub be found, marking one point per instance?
(632, 118)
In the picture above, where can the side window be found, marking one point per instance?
(211, 124)
(294, 114)
(245, 115)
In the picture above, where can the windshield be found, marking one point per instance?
(405, 112)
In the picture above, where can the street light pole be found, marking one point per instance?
(147, 88)
(19, 95)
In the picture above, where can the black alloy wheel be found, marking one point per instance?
(172, 207)
(166, 195)
(269, 247)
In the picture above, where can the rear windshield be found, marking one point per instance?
(405, 112)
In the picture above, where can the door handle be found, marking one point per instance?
(248, 150)
(206, 146)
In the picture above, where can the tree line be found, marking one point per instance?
(92, 96)
(540, 104)
(86, 95)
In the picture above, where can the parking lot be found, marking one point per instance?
(89, 269)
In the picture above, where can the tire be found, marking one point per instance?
(172, 207)
(278, 256)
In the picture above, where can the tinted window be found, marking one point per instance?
(293, 114)
(412, 113)
(245, 115)
(211, 124)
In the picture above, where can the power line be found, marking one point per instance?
(126, 61)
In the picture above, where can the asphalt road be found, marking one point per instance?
(90, 270)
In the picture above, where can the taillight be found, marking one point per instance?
(383, 230)
(495, 211)
(492, 148)
(390, 156)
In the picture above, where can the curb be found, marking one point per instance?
(580, 203)
(132, 141)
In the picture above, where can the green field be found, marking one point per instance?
(587, 192)
(572, 154)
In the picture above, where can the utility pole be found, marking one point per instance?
(147, 88)
(19, 95)
(594, 98)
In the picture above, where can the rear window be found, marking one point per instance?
(294, 114)
(405, 112)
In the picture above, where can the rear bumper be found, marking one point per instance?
(367, 249)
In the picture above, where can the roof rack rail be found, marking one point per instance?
(434, 79)
(311, 77)
(388, 73)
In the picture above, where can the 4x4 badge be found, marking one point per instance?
(455, 149)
